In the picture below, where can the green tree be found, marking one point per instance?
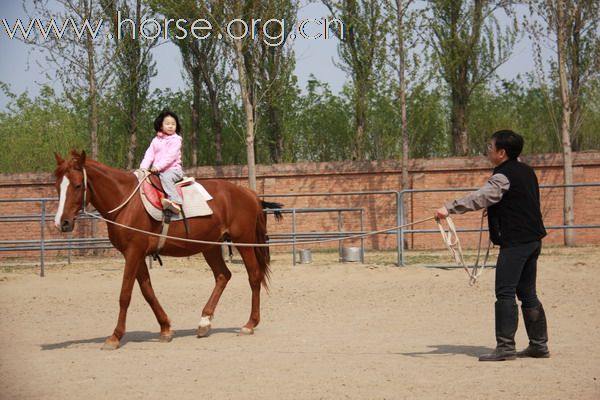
(275, 69)
(206, 65)
(320, 129)
(429, 128)
(34, 128)
(573, 27)
(362, 52)
(403, 20)
(468, 45)
(135, 65)
(79, 61)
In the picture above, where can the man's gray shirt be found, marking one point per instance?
(488, 195)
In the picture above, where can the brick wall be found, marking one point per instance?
(324, 179)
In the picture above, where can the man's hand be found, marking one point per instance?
(154, 170)
(441, 213)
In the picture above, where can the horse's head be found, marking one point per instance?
(71, 190)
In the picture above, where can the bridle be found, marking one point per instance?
(84, 200)
(141, 181)
(85, 186)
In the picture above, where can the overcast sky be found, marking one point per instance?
(19, 67)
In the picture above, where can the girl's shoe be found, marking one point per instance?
(171, 206)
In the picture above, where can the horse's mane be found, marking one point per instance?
(63, 167)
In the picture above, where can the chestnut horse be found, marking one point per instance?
(237, 213)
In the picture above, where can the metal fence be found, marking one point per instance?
(400, 210)
(297, 238)
(42, 244)
(402, 232)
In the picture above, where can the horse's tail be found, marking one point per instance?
(273, 206)
(263, 255)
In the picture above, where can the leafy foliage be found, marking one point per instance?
(312, 123)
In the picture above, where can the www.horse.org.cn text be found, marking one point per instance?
(273, 31)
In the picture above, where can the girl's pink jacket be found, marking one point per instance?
(164, 152)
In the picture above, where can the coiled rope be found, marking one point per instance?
(452, 242)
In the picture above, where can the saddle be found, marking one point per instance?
(194, 196)
(154, 192)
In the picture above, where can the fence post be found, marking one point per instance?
(362, 239)
(340, 224)
(293, 237)
(42, 236)
(400, 222)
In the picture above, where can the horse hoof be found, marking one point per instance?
(110, 345)
(166, 338)
(204, 326)
(203, 331)
(247, 331)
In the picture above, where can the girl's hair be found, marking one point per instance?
(163, 114)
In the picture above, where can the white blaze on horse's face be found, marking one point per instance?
(64, 185)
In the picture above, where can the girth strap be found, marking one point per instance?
(163, 238)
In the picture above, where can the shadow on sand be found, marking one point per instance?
(134, 336)
(447, 349)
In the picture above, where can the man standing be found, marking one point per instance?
(512, 198)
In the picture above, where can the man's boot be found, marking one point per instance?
(537, 330)
(507, 318)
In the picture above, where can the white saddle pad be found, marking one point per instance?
(195, 204)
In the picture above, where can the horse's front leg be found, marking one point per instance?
(132, 265)
(143, 278)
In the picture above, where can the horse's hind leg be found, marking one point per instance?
(143, 278)
(255, 278)
(214, 258)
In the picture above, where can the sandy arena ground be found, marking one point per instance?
(328, 331)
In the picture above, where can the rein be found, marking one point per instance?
(85, 185)
(288, 243)
(146, 174)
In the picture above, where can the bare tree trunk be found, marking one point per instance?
(218, 131)
(275, 132)
(93, 100)
(358, 152)
(133, 104)
(459, 125)
(195, 119)
(249, 111)
(568, 213)
(133, 126)
(575, 75)
(405, 183)
(92, 112)
(215, 117)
